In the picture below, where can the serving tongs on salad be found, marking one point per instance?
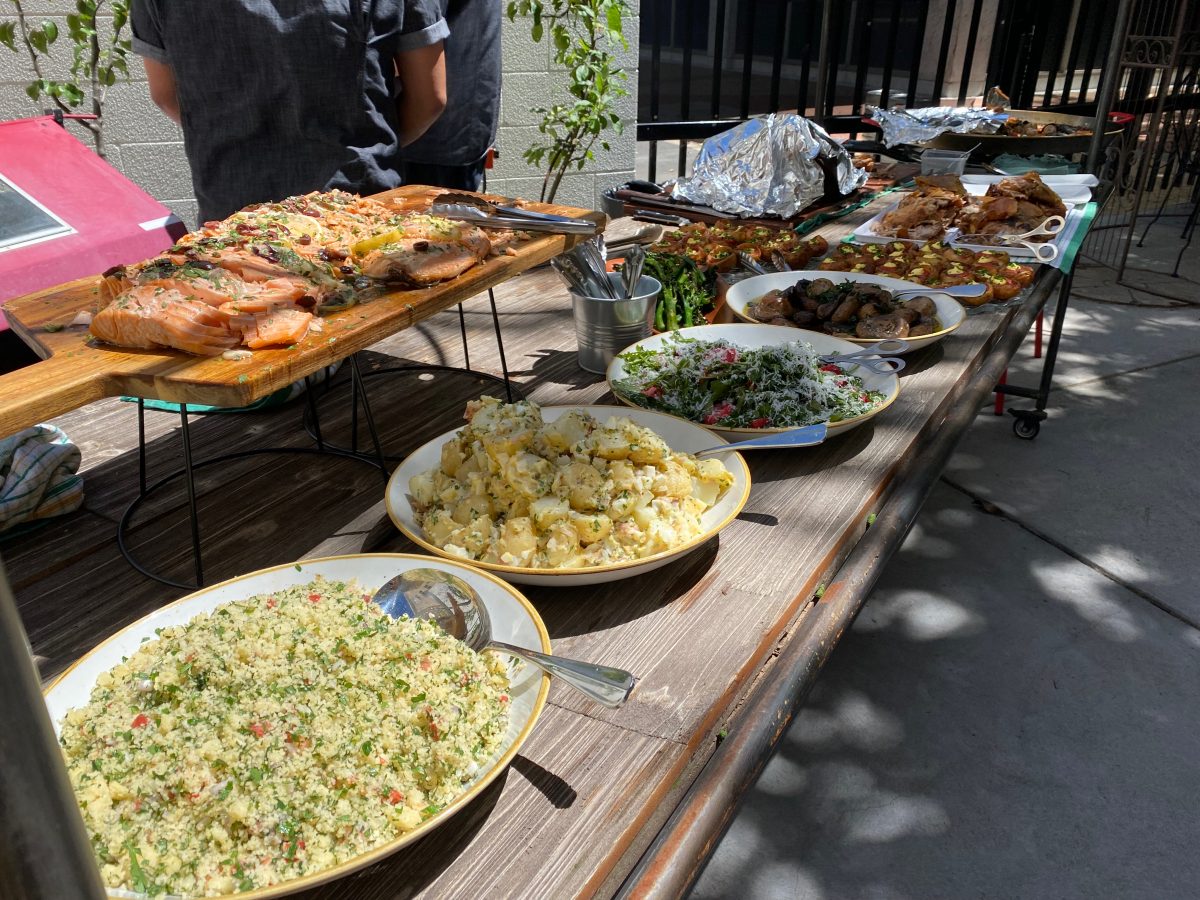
(1043, 252)
(485, 214)
(869, 357)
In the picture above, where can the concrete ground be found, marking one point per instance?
(1014, 714)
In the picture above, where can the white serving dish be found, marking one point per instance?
(949, 311)
(865, 234)
(679, 435)
(759, 335)
(514, 621)
(1073, 189)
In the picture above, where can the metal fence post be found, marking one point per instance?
(44, 849)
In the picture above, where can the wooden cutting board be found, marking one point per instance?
(76, 370)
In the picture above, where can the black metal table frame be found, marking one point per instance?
(310, 420)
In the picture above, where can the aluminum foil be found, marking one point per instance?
(912, 126)
(767, 167)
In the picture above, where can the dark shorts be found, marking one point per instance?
(456, 178)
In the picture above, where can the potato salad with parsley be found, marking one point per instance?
(516, 490)
(276, 737)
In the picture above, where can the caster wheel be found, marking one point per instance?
(1026, 429)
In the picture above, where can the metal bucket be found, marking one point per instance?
(605, 327)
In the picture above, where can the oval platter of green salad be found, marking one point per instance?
(743, 378)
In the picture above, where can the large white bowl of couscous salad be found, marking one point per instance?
(276, 731)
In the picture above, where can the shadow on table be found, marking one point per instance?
(74, 586)
(570, 611)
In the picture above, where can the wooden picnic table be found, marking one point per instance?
(725, 641)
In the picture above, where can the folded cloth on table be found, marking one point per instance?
(38, 476)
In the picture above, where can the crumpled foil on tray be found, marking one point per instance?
(912, 126)
(767, 167)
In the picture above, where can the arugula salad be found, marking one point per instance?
(720, 383)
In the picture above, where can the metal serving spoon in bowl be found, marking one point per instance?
(455, 607)
(806, 436)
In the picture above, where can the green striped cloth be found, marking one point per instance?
(38, 476)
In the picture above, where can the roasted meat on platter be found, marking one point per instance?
(927, 212)
(260, 277)
(1012, 206)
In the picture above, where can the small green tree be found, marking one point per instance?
(96, 58)
(584, 32)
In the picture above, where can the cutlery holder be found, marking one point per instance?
(604, 327)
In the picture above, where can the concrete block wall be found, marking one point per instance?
(148, 148)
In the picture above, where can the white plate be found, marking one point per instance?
(679, 435)
(514, 620)
(949, 311)
(753, 337)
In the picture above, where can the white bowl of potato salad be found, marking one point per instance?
(566, 495)
(277, 731)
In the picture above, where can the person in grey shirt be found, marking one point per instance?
(452, 153)
(282, 97)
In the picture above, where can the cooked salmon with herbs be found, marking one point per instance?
(258, 278)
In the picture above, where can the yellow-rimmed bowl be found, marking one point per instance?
(679, 435)
(514, 621)
(950, 312)
(754, 337)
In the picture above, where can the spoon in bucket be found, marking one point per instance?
(455, 607)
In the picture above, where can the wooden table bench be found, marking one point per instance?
(726, 641)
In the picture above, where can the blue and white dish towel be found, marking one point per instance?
(38, 476)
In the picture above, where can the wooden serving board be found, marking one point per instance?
(76, 370)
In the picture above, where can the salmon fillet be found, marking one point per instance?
(149, 317)
(279, 327)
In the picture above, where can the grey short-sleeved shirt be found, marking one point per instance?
(465, 131)
(281, 97)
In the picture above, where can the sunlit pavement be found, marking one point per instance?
(1014, 713)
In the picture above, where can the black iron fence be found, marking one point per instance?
(707, 63)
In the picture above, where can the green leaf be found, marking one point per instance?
(120, 16)
(34, 90)
(614, 19)
(7, 35)
(50, 30)
(37, 40)
(536, 32)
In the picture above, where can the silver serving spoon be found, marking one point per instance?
(458, 610)
(808, 436)
(953, 290)
(631, 271)
(869, 357)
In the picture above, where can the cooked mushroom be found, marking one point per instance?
(867, 310)
(820, 286)
(889, 326)
(825, 310)
(921, 329)
(911, 316)
(804, 318)
(771, 305)
(923, 305)
(845, 311)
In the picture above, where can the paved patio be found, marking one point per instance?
(1014, 713)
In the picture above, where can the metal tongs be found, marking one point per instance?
(869, 357)
(1043, 252)
(485, 214)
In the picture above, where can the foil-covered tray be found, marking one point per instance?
(776, 165)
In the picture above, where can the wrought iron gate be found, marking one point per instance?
(1155, 170)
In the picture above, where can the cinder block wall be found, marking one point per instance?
(148, 148)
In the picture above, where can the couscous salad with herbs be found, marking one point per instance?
(276, 737)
